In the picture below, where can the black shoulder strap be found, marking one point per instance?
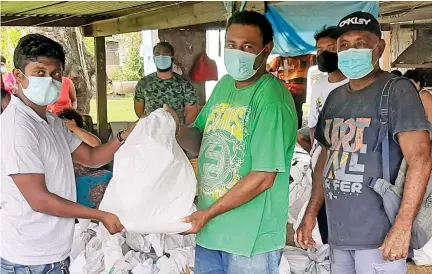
(383, 136)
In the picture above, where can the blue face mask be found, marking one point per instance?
(42, 91)
(356, 63)
(163, 62)
(240, 64)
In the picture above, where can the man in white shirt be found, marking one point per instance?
(38, 191)
(320, 88)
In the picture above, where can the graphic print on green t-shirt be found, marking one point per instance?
(244, 130)
(223, 150)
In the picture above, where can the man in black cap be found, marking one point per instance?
(360, 234)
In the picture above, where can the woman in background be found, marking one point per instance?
(67, 99)
(418, 79)
(8, 81)
(91, 183)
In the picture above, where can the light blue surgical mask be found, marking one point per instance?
(163, 62)
(240, 64)
(42, 91)
(356, 63)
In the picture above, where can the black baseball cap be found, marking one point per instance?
(357, 21)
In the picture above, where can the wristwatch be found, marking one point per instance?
(119, 138)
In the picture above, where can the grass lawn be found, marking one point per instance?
(120, 108)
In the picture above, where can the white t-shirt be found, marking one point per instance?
(320, 88)
(31, 145)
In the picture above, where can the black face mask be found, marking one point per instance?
(327, 61)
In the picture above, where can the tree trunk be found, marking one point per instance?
(79, 63)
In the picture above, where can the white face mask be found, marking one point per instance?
(2, 69)
(42, 91)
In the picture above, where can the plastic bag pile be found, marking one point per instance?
(423, 256)
(294, 259)
(95, 251)
(301, 183)
(299, 261)
(152, 190)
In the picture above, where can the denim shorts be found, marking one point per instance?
(217, 262)
(55, 268)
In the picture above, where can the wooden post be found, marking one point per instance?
(386, 62)
(101, 89)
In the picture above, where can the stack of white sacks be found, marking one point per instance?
(152, 190)
(95, 251)
(296, 260)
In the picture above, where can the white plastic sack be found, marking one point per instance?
(137, 242)
(284, 266)
(94, 257)
(112, 249)
(153, 184)
(127, 263)
(316, 235)
(320, 263)
(306, 262)
(145, 267)
(175, 241)
(315, 152)
(82, 236)
(297, 258)
(157, 242)
(423, 256)
(77, 265)
(301, 186)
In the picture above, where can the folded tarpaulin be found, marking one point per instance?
(295, 23)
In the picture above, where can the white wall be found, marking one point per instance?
(149, 39)
(215, 39)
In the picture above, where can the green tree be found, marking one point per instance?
(133, 68)
(89, 44)
(9, 40)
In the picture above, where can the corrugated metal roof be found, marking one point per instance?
(81, 13)
(388, 8)
(81, 8)
(29, 13)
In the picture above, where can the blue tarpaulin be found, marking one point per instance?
(295, 23)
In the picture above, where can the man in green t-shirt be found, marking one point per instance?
(245, 136)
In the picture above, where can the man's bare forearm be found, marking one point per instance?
(418, 173)
(54, 205)
(34, 190)
(243, 192)
(96, 157)
(189, 138)
(312, 135)
(317, 198)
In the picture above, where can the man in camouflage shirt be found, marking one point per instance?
(165, 87)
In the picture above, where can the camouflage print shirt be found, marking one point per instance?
(176, 92)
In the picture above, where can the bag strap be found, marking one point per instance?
(383, 136)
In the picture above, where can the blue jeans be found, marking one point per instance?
(55, 268)
(218, 262)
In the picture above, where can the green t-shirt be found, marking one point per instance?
(154, 92)
(244, 130)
